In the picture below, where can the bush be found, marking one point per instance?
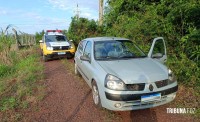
(187, 71)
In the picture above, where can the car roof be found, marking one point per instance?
(105, 38)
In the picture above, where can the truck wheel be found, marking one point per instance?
(41, 53)
(70, 56)
(45, 59)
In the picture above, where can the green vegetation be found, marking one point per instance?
(21, 74)
(177, 21)
(82, 28)
(38, 36)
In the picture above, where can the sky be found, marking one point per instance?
(31, 16)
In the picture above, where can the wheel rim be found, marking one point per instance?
(95, 95)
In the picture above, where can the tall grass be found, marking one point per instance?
(21, 74)
(5, 44)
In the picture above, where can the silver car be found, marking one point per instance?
(122, 77)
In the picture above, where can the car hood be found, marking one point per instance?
(144, 70)
(53, 44)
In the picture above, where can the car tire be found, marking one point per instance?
(95, 95)
(45, 59)
(70, 56)
(76, 72)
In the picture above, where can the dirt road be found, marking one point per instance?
(69, 99)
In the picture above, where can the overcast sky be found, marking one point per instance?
(32, 16)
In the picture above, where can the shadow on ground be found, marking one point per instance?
(147, 115)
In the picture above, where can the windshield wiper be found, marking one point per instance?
(127, 56)
(142, 56)
(106, 58)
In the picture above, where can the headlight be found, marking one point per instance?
(71, 44)
(171, 76)
(114, 83)
(71, 47)
(49, 48)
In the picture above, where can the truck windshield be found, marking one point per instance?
(55, 38)
(116, 49)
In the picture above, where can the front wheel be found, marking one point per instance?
(70, 56)
(45, 58)
(95, 95)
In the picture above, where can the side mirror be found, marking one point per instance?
(157, 55)
(84, 58)
(41, 41)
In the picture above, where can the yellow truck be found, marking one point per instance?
(54, 44)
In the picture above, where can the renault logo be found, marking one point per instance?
(151, 87)
(60, 48)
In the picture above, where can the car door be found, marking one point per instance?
(86, 66)
(79, 53)
(158, 50)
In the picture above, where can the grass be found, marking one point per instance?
(21, 83)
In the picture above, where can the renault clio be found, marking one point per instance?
(122, 77)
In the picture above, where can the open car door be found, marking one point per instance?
(158, 50)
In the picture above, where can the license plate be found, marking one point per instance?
(61, 53)
(151, 97)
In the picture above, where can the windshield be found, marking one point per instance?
(116, 49)
(55, 38)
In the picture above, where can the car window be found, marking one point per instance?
(80, 46)
(116, 49)
(88, 49)
(159, 48)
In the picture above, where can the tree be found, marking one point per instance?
(82, 28)
(38, 36)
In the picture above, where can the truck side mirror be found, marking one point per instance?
(41, 41)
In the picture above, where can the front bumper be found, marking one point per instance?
(133, 101)
(58, 55)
